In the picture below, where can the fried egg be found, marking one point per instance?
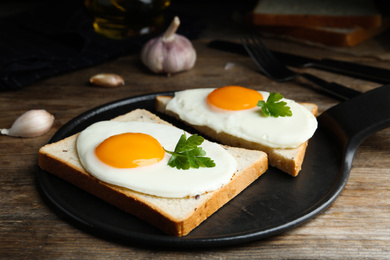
(234, 110)
(132, 155)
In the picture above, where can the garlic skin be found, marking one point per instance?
(169, 53)
(32, 123)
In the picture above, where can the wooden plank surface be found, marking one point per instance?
(357, 225)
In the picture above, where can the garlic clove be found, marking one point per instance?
(169, 53)
(109, 80)
(180, 57)
(152, 55)
(229, 65)
(32, 123)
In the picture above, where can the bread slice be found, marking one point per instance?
(317, 13)
(174, 216)
(287, 160)
(342, 37)
(332, 22)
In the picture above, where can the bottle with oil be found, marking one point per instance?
(119, 19)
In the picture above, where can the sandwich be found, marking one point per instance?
(153, 170)
(247, 118)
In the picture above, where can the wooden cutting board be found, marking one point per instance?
(329, 22)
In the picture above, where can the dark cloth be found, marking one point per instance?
(59, 39)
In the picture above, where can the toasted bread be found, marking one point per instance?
(174, 216)
(287, 160)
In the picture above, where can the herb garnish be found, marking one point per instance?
(274, 108)
(188, 154)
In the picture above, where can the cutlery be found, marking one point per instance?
(277, 71)
(341, 67)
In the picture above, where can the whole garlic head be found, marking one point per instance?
(169, 53)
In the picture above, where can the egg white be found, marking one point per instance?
(251, 124)
(158, 179)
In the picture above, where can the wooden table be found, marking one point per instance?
(357, 225)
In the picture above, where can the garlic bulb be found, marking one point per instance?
(169, 53)
(32, 123)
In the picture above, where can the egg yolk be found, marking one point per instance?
(130, 150)
(234, 98)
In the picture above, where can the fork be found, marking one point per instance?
(277, 71)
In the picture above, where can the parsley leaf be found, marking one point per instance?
(188, 154)
(274, 107)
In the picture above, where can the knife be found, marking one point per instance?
(341, 67)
